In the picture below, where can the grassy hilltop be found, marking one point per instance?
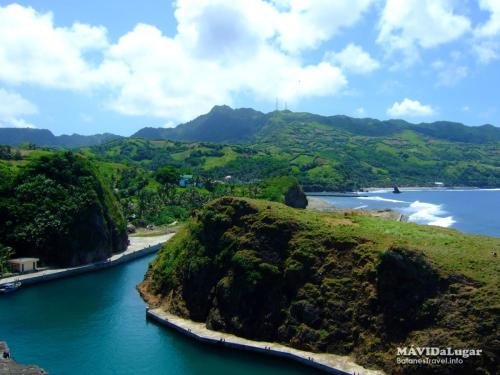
(338, 283)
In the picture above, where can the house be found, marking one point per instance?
(24, 264)
(186, 180)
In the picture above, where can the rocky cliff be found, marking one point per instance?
(337, 283)
(59, 208)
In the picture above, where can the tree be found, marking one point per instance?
(167, 175)
(5, 254)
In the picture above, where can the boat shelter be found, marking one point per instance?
(24, 264)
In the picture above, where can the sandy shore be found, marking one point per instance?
(331, 363)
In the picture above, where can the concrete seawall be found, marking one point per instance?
(330, 363)
(140, 246)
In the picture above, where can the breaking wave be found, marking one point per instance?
(381, 199)
(428, 213)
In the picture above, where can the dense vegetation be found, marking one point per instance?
(324, 153)
(337, 283)
(44, 137)
(58, 206)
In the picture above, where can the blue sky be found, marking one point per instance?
(117, 66)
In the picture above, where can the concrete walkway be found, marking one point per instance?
(139, 246)
(8, 366)
(331, 363)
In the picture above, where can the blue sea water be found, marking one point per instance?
(468, 210)
(95, 323)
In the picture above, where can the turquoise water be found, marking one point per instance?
(471, 211)
(95, 324)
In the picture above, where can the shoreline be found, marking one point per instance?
(139, 247)
(388, 189)
(321, 205)
(9, 365)
(330, 363)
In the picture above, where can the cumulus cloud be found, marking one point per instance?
(221, 48)
(409, 108)
(406, 26)
(33, 50)
(353, 59)
(486, 43)
(492, 27)
(306, 23)
(13, 107)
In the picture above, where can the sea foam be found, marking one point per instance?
(381, 199)
(428, 213)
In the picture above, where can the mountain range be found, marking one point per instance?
(45, 138)
(245, 125)
(322, 152)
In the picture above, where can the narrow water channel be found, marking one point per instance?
(95, 324)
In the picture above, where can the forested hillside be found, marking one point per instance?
(57, 206)
(325, 158)
(44, 137)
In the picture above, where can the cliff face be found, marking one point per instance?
(329, 283)
(58, 208)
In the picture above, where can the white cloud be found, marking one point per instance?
(492, 27)
(307, 23)
(449, 74)
(486, 43)
(406, 26)
(360, 111)
(33, 50)
(353, 59)
(221, 48)
(486, 50)
(13, 107)
(409, 108)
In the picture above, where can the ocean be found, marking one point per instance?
(96, 323)
(468, 210)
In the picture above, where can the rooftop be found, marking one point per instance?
(23, 260)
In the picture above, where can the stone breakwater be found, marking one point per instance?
(10, 367)
(330, 363)
(139, 247)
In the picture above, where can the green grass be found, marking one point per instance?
(344, 283)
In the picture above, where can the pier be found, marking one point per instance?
(139, 247)
(9, 366)
(330, 363)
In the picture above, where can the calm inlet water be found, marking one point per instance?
(95, 323)
(471, 211)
